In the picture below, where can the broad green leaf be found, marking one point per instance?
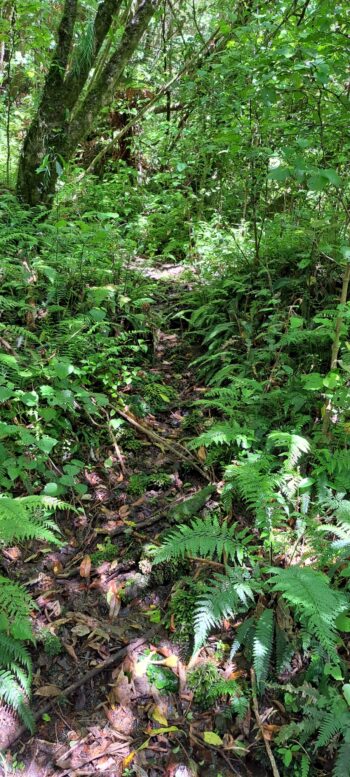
(313, 382)
(211, 738)
(346, 693)
(343, 623)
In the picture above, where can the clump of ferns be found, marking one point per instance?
(22, 518)
(314, 603)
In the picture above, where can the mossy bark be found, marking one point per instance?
(64, 117)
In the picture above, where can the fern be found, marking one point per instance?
(221, 600)
(217, 434)
(317, 603)
(20, 518)
(341, 767)
(15, 677)
(334, 722)
(262, 646)
(295, 445)
(259, 489)
(26, 518)
(204, 537)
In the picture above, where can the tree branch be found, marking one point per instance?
(148, 106)
(102, 90)
(76, 79)
(55, 76)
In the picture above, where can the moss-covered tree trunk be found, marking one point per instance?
(72, 96)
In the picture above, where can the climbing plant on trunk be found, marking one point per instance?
(75, 90)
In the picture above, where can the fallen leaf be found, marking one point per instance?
(171, 661)
(70, 650)
(81, 630)
(57, 567)
(270, 730)
(155, 732)
(85, 567)
(201, 453)
(128, 759)
(12, 553)
(121, 690)
(158, 716)
(114, 602)
(124, 511)
(212, 739)
(235, 675)
(48, 691)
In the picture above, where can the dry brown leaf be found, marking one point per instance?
(81, 630)
(57, 567)
(124, 511)
(121, 690)
(13, 554)
(114, 602)
(270, 729)
(202, 453)
(85, 567)
(48, 691)
(70, 650)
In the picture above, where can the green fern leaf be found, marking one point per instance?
(262, 646)
(295, 445)
(310, 592)
(341, 766)
(204, 537)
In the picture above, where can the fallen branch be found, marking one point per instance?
(176, 449)
(260, 725)
(110, 662)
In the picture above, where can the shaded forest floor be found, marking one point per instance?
(99, 595)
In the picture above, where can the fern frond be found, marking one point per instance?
(262, 646)
(13, 695)
(210, 611)
(259, 489)
(204, 537)
(217, 434)
(26, 518)
(221, 599)
(310, 592)
(15, 604)
(334, 722)
(11, 650)
(341, 766)
(295, 445)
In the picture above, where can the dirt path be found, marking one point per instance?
(99, 596)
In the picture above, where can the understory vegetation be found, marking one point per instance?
(174, 368)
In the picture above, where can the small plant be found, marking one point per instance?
(106, 551)
(20, 518)
(209, 687)
(51, 643)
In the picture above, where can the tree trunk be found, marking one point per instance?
(69, 105)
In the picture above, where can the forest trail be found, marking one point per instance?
(101, 595)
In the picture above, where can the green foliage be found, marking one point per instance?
(106, 551)
(20, 518)
(262, 646)
(223, 598)
(316, 603)
(209, 687)
(51, 643)
(206, 537)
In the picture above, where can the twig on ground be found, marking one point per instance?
(177, 450)
(105, 665)
(268, 749)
